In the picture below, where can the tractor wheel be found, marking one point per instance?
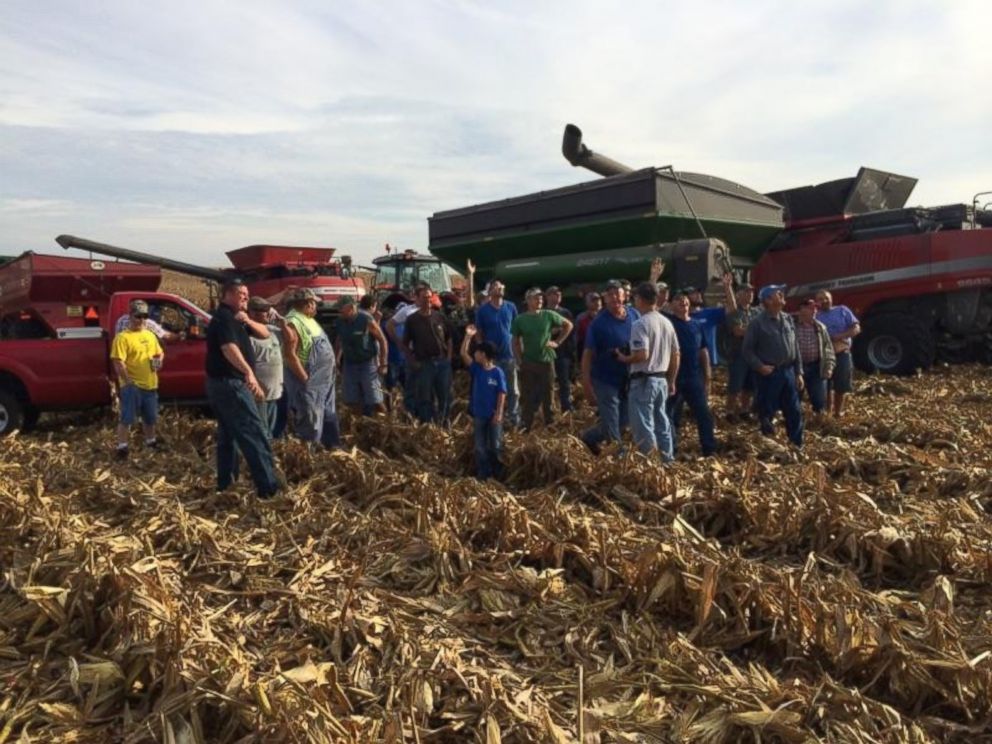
(894, 343)
(11, 413)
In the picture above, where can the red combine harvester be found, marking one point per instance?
(919, 278)
(266, 269)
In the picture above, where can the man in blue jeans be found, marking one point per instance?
(771, 350)
(740, 378)
(843, 326)
(817, 352)
(362, 348)
(604, 376)
(234, 392)
(654, 364)
(492, 322)
(565, 352)
(427, 342)
(402, 371)
(690, 383)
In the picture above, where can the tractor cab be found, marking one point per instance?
(398, 274)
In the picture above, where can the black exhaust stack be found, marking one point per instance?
(577, 154)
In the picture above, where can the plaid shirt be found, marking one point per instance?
(809, 343)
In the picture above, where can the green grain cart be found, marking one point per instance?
(580, 236)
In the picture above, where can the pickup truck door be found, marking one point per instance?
(60, 373)
(182, 375)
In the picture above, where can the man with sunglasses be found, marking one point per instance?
(137, 356)
(124, 322)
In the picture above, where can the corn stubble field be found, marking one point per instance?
(839, 596)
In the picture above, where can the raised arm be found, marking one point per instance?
(466, 342)
(470, 275)
(657, 269)
(729, 298)
(258, 330)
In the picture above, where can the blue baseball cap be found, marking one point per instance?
(769, 289)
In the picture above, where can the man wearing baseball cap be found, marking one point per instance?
(565, 353)
(535, 349)
(312, 373)
(771, 350)
(362, 348)
(136, 356)
(268, 360)
(163, 335)
(740, 378)
(594, 303)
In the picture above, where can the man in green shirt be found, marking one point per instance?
(534, 350)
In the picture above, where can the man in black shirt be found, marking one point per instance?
(233, 391)
(427, 344)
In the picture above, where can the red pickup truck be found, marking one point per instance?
(57, 318)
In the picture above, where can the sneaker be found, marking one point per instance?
(153, 444)
(122, 453)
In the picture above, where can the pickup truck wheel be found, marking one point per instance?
(11, 413)
(895, 343)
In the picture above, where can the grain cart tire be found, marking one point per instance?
(11, 413)
(894, 343)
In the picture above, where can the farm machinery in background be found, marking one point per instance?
(398, 273)
(267, 270)
(920, 279)
(57, 319)
(580, 236)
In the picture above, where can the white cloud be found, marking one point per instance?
(202, 125)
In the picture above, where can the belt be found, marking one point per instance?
(642, 375)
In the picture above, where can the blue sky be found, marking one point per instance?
(191, 128)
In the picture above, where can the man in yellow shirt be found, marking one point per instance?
(137, 356)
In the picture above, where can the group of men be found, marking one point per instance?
(644, 355)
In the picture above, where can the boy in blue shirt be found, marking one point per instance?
(485, 405)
